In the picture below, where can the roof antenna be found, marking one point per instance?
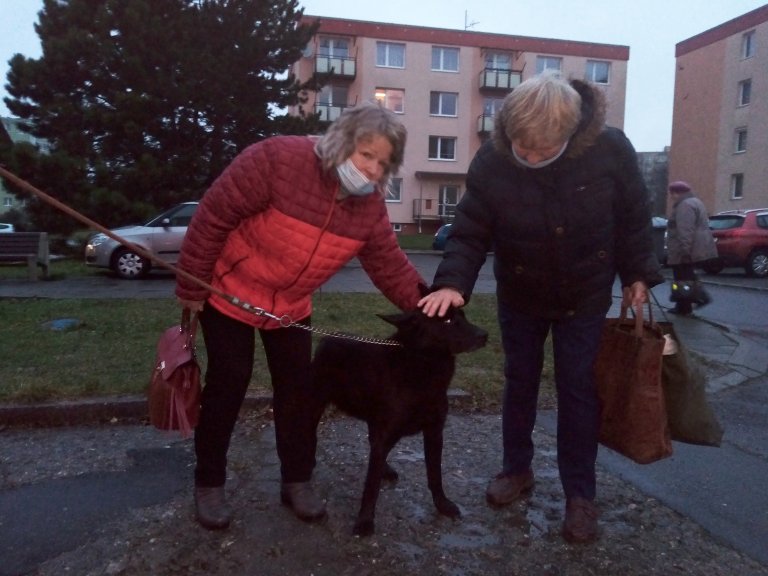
(468, 25)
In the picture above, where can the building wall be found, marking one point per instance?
(419, 208)
(707, 114)
(7, 200)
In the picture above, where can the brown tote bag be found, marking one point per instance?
(628, 375)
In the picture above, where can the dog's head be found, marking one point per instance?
(451, 333)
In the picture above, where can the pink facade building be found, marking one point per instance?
(720, 118)
(447, 84)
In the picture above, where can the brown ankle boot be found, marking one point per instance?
(211, 507)
(302, 499)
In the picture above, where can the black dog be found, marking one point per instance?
(399, 391)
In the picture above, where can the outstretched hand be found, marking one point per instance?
(439, 301)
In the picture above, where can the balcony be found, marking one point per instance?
(499, 79)
(342, 67)
(426, 209)
(485, 123)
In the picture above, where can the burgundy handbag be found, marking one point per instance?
(174, 390)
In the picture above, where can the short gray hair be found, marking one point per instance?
(360, 123)
(543, 111)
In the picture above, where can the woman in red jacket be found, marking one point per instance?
(282, 219)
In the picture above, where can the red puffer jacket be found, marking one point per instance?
(270, 231)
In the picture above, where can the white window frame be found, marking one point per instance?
(448, 199)
(440, 104)
(441, 59)
(498, 60)
(548, 63)
(740, 141)
(598, 71)
(391, 98)
(394, 191)
(387, 54)
(748, 44)
(737, 186)
(745, 92)
(444, 148)
(333, 47)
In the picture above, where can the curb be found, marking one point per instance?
(123, 409)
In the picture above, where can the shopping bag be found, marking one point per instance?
(688, 291)
(174, 388)
(689, 415)
(633, 418)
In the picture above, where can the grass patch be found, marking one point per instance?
(112, 348)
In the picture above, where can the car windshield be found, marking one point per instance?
(178, 216)
(725, 222)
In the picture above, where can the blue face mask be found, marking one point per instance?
(353, 181)
(543, 163)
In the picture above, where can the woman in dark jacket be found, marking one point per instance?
(559, 198)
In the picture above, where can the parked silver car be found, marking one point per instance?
(7, 228)
(161, 236)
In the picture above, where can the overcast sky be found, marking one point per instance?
(650, 28)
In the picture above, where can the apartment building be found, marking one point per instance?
(447, 85)
(11, 127)
(720, 113)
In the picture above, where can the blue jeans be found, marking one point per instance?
(575, 342)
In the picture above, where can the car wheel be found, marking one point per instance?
(757, 264)
(129, 265)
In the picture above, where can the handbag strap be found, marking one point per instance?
(637, 312)
(189, 325)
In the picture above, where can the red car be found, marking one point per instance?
(742, 241)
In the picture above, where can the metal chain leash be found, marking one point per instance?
(286, 321)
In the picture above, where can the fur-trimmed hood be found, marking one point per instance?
(593, 113)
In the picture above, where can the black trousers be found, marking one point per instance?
(230, 345)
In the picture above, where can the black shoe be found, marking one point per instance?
(211, 507)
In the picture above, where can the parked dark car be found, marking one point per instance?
(161, 236)
(741, 237)
(440, 237)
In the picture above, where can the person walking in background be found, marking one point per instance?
(559, 198)
(689, 244)
(282, 219)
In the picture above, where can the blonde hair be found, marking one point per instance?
(359, 123)
(541, 112)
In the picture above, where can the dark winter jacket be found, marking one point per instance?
(270, 231)
(561, 233)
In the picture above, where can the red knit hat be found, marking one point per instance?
(679, 186)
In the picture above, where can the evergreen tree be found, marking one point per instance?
(144, 102)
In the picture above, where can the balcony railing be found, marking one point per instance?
(499, 79)
(485, 123)
(341, 66)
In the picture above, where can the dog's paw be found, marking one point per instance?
(363, 528)
(389, 474)
(447, 508)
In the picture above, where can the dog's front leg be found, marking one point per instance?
(377, 463)
(433, 456)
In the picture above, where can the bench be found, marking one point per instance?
(29, 247)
